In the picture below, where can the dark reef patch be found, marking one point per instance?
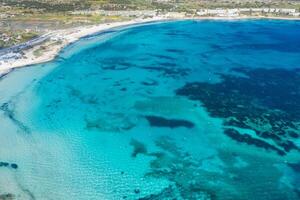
(117, 63)
(7, 196)
(6, 164)
(245, 138)
(116, 67)
(87, 99)
(169, 71)
(170, 123)
(295, 166)
(164, 194)
(161, 56)
(8, 110)
(263, 100)
(190, 178)
(281, 47)
(176, 166)
(14, 166)
(138, 148)
(177, 51)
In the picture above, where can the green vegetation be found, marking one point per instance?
(48, 6)
(10, 38)
(21, 20)
(51, 6)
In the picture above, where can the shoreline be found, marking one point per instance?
(57, 40)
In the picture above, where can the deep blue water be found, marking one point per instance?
(177, 110)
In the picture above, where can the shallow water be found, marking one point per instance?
(177, 110)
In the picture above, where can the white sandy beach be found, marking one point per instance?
(57, 40)
(49, 162)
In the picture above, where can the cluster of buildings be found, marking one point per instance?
(247, 11)
(219, 12)
(122, 13)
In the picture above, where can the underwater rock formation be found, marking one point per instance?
(170, 123)
(4, 164)
(167, 193)
(138, 148)
(14, 166)
(11, 165)
(8, 110)
(263, 100)
(177, 167)
(7, 196)
(245, 138)
(169, 71)
(189, 179)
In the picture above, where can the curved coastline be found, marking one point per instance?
(62, 38)
(65, 52)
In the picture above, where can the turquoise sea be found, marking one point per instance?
(175, 110)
